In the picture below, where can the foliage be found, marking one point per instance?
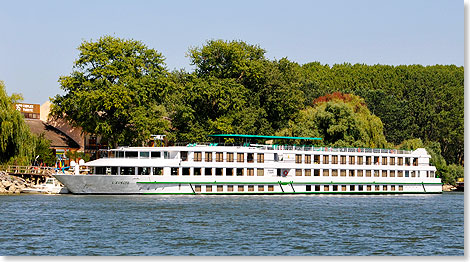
(115, 91)
(43, 151)
(76, 156)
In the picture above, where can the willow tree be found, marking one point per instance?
(115, 91)
(341, 120)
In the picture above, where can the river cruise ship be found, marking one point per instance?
(216, 168)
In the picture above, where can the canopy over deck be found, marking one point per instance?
(264, 137)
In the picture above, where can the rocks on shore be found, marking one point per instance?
(11, 184)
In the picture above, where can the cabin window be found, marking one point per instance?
(351, 172)
(186, 171)
(260, 188)
(326, 188)
(100, 170)
(239, 171)
(260, 157)
(308, 188)
(316, 159)
(219, 157)
(197, 156)
(326, 172)
(360, 173)
(230, 188)
(368, 173)
(400, 161)
(384, 160)
(166, 155)
(251, 188)
(343, 187)
(368, 160)
(250, 171)
(240, 157)
(157, 171)
(218, 171)
(308, 172)
(298, 172)
(229, 172)
(392, 188)
(260, 172)
(369, 188)
(343, 172)
(317, 188)
(377, 188)
(241, 188)
(384, 173)
(392, 161)
(360, 160)
(407, 161)
(208, 171)
(335, 187)
(308, 159)
(415, 162)
(197, 171)
(144, 171)
(352, 160)
(376, 173)
(197, 188)
(392, 173)
(400, 188)
(174, 171)
(360, 188)
(250, 157)
(400, 173)
(298, 159)
(384, 188)
(144, 154)
(131, 154)
(126, 171)
(229, 157)
(407, 173)
(276, 157)
(270, 188)
(119, 154)
(184, 155)
(154, 154)
(334, 160)
(334, 172)
(208, 156)
(413, 174)
(326, 159)
(352, 188)
(208, 188)
(343, 160)
(220, 188)
(376, 160)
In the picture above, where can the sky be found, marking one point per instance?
(39, 39)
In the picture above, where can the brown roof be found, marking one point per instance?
(58, 138)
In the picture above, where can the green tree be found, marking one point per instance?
(43, 151)
(116, 90)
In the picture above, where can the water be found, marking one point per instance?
(232, 225)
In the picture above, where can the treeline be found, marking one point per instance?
(120, 89)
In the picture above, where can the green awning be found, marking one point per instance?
(265, 137)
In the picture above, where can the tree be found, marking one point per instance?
(116, 91)
(42, 151)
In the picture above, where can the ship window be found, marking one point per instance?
(220, 188)
(197, 188)
(431, 173)
(197, 156)
(260, 158)
(260, 172)
(407, 161)
(250, 171)
(219, 157)
(270, 188)
(343, 187)
(384, 160)
(251, 188)
(144, 171)
(240, 157)
(144, 154)
(352, 188)
(208, 157)
(360, 160)
(400, 188)
(157, 171)
(392, 173)
(184, 155)
(174, 171)
(308, 159)
(317, 188)
(208, 188)
(334, 172)
(376, 160)
(326, 188)
(413, 174)
(326, 172)
(384, 173)
(360, 188)
(377, 188)
(376, 173)
(308, 188)
(218, 171)
(392, 188)
(343, 172)
(230, 188)
(308, 172)
(239, 171)
(326, 159)
(186, 171)
(119, 154)
(316, 172)
(155, 154)
(229, 157)
(368, 160)
(369, 188)
(100, 170)
(298, 172)
(368, 173)
(392, 161)
(400, 161)
(316, 159)
(351, 172)
(260, 188)
(127, 171)
(343, 160)
(334, 160)
(197, 171)
(298, 159)
(335, 187)
(407, 173)
(384, 188)
(250, 157)
(415, 161)
(352, 160)
(400, 174)
(360, 173)
(131, 154)
(276, 157)
(166, 155)
(208, 171)
(241, 188)
(229, 172)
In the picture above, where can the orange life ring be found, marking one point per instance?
(285, 173)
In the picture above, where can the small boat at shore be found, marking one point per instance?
(51, 186)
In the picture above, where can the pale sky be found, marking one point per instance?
(39, 39)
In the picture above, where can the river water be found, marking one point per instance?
(283, 225)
